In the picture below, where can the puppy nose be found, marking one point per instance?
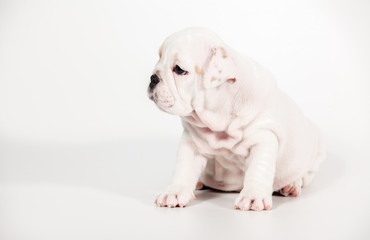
(154, 80)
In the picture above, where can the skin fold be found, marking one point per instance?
(241, 132)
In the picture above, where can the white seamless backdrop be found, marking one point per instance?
(74, 112)
(77, 71)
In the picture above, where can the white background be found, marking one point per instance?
(83, 152)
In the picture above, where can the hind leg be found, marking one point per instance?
(307, 178)
(294, 189)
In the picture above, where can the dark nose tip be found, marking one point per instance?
(154, 80)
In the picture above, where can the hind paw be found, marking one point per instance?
(292, 190)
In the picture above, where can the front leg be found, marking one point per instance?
(259, 177)
(188, 168)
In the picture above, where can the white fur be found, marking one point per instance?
(241, 132)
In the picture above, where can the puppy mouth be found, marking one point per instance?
(153, 96)
(150, 95)
(163, 104)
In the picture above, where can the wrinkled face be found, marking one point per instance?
(191, 61)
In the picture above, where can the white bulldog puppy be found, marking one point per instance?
(241, 132)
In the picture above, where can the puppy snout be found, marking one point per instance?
(154, 80)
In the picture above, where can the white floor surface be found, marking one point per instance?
(106, 191)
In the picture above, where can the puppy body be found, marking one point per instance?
(241, 132)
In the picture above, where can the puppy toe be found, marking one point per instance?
(161, 200)
(172, 201)
(285, 191)
(199, 186)
(184, 199)
(267, 203)
(243, 204)
(257, 205)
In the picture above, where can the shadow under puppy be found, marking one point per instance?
(241, 132)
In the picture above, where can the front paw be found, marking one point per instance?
(175, 196)
(252, 199)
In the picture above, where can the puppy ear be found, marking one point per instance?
(160, 51)
(219, 68)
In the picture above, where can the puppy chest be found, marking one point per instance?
(226, 150)
(223, 143)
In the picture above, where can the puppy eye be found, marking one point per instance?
(179, 71)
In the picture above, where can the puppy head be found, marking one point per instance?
(191, 62)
